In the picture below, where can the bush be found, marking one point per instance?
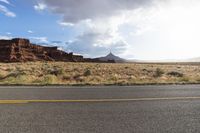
(56, 71)
(175, 74)
(15, 74)
(20, 79)
(87, 72)
(49, 79)
(2, 76)
(65, 77)
(158, 73)
(185, 79)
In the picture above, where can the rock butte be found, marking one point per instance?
(21, 50)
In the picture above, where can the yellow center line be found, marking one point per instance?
(95, 100)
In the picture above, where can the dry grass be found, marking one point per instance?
(47, 73)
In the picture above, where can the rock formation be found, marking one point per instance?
(111, 58)
(21, 50)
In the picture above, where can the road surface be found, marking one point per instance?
(116, 109)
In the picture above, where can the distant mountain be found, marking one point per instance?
(111, 56)
(193, 60)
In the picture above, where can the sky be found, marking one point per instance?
(131, 29)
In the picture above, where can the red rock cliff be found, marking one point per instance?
(21, 50)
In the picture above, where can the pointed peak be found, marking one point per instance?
(110, 54)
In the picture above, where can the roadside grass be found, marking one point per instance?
(49, 73)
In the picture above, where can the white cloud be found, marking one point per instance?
(147, 29)
(93, 44)
(74, 11)
(6, 12)
(40, 7)
(98, 38)
(39, 39)
(5, 1)
(5, 37)
(98, 23)
(65, 24)
(30, 31)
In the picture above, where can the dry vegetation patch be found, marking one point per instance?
(46, 73)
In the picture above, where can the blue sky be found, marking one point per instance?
(134, 29)
(40, 27)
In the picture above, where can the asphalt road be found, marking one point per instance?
(137, 109)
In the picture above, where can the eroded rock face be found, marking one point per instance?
(21, 50)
